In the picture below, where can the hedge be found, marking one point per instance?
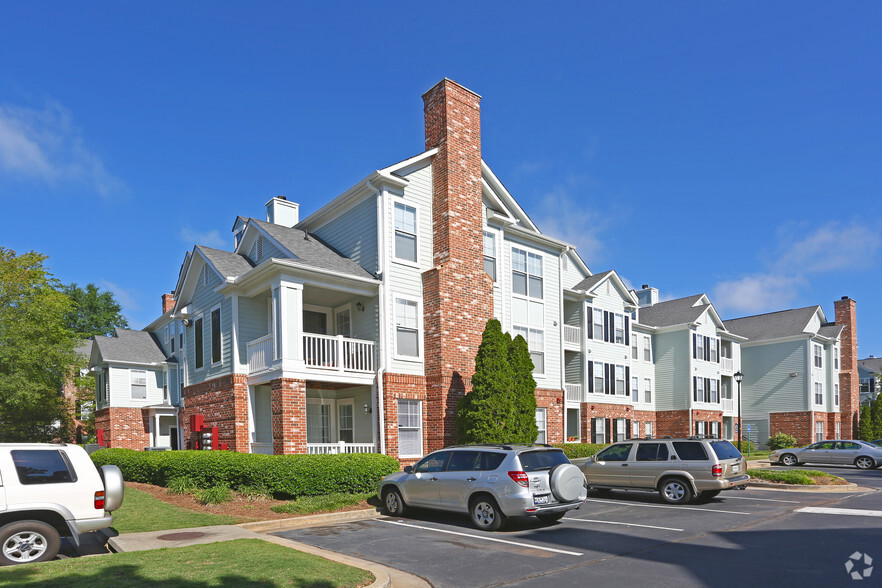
(577, 450)
(282, 475)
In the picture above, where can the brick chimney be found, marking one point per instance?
(168, 302)
(849, 380)
(457, 293)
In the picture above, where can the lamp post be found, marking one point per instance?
(738, 377)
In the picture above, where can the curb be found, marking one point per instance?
(802, 488)
(318, 520)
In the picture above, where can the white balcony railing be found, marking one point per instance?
(727, 364)
(574, 392)
(341, 447)
(264, 448)
(338, 353)
(572, 335)
(728, 405)
(260, 354)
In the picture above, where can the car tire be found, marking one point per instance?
(567, 482)
(485, 514)
(675, 491)
(27, 542)
(789, 459)
(865, 463)
(393, 503)
(551, 517)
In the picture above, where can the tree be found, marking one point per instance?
(36, 349)
(501, 408)
(865, 427)
(93, 312)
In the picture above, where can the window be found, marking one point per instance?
(635, 429)
(405, 232)
(690, 450)
(647, 392)
(526, 273)
(819, 431)
(598, 377)
(714, 355)
(37, 466)
(345, 421)
(699, 347)
(410, 428)
(648, 427)
(647, 349)
(620, 379)
(699, 389)
(540, 424)
(619, 323)
(819, 393)
(344, 323)
(138, 380)
(652, 452)
(318, 422)
(490, 254)
(598, 324)
(598, 427)
(433, 463)
(216, 336)
(836, 358)
(621, 430)
(715, 430)
(634, 350)
(836, 396)
(615, 453)
(198, 343)
(819, 357)
(839, 432)
(714, 392)
(635, 389)
(173, 335)
(535, 339)
(407, 342)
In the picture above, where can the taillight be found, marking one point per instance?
(717, 470)
(99, 500)
(520, 477)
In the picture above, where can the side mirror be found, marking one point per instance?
(408, 469)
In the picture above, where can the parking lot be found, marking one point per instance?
(789, 538)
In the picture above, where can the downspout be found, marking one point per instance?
(381, 328)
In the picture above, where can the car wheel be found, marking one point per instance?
(485, 514)
(394, 503)
(28, 541)
(865, 463)
(675, 491)
(550, 517)
(789, 459)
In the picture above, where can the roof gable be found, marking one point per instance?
(593, 285)
(681, 311)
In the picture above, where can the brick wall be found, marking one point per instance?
(591, 410)
(125, 428)
(288, 398)
(849, 381)
(552, 402)
(798, 424)
(223, 403)
(401, 386)
(457, 293)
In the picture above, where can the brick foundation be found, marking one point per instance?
(802, 425)
(223, 403)
(124, 428)
(288, 399)
(590, 410)
(552, 402)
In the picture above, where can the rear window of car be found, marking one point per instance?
(690, 450)
(41, 466)
(725, 450)
(532, 461)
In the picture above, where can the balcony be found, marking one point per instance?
(574, 392)
(572, 337)
(324, 352)
(727, 365)
(728, 405)
(260, 354)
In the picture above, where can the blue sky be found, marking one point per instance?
(727, 148)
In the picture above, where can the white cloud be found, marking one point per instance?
(125, 297)
(757, 293)
(562, 217)
(44, 145)
(208, 238)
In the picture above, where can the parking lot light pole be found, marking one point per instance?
(738, 377)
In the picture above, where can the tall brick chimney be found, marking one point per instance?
(849, 380)
(457, 293)
(168, 302)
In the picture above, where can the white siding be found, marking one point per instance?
(121, 387)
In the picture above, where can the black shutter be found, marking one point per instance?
(627, 381)
(696, 427)
(719, 349)
(694, 389)
(591, 378)
(608, 426)
(627, 331)
(606, 378)
(606, 336)
(694, 347)
(590, 323)
(592, 431)
(707, 389)
(707, 349)
(627, 428)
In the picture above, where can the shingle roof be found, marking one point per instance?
(831, 331)
(773, 325)
(591, 281)
(672, 312)
(873, 364)
(230, 264)
(312, 251)
(128, 345)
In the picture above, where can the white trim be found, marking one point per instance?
(421, 427)
(398, 200)
(420, 332)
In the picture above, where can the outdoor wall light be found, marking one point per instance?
(359, 307)
(367, 409)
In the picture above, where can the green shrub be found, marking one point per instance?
(214, 495)
(281, 475)
(577, 450)
(781, 441)
(747, 446)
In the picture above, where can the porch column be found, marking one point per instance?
(288, 322)
(154, 442)
(234, 341)
(289, 416)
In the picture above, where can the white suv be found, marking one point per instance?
(48, 491)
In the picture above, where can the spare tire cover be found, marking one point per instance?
(567, 483)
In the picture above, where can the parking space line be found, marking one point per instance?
(840, 511)
(763, 499)
(665, 506)
(625, 524)
(481, 537)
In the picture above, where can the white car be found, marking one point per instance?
(48, 491)
(837, 452)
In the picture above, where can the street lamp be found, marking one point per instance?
(738, 377)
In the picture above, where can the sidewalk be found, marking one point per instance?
(385, 576)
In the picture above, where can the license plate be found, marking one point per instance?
(735, 469)
(540, 499)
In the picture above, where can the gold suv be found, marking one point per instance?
(679, 469)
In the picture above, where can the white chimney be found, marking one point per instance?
(281, 212)
(647, 296)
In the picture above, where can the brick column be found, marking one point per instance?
(288, 398)
(849, 381)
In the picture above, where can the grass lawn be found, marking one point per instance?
(326, 503)
(141, 512)
(800, 477)
(243, 562)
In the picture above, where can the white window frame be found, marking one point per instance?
(635, 351)
(532, 336)
(618, 329)
(599, 376)
(527, 273)
(132, 384)
(339, 429)
(419, 318)
(714, 391)
(701, 428)
(635, 388)
(416, 235)
(818, 356)
(220, 322)
(647, 428)
(647, 390)
(332, 417)
(598, 323)
(819, 394)
(599, 430)
(836, 359)
(838, 430)
(345, 309)
(542, 425)
(620, 382)
(419, 429)
(836, 396)
(699, 346)
(635, 429)
(819, 431)
(714, 349)
(492, 237)
(647, 348)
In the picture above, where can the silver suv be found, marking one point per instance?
(490, 482)
(679, 469)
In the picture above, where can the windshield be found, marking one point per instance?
(534, 461)
(725, 450)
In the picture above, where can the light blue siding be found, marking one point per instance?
(354, 234)
(673, 385)
(768, 386)
(203, 300)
